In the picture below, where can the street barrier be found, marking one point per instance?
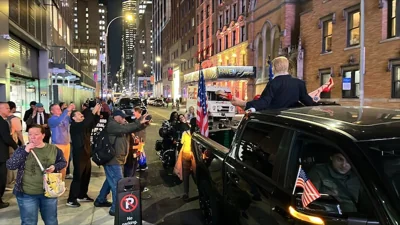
(129, 211)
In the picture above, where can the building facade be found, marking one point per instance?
(188, 42)
(87, 38)
(144, 46)
(330, 37)
(129, 32)
(161, 16)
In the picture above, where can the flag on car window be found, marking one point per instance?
(202, 113)
(310, 192)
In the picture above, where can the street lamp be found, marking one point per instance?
(139, 72)
(158, 59)
(128, 17)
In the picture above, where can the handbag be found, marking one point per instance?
(53, 185)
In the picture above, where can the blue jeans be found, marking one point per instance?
(29, 206)
(113, 175)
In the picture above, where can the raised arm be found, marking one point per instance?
(56, 121)
(17, 159)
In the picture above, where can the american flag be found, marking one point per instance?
(310, 192)
(202, 115)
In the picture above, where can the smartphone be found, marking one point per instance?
(148, 117)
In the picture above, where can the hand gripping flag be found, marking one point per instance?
(310, 192)
(316, 95)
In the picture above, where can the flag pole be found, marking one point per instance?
(298, 172)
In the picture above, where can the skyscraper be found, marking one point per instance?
(88, 29)
(144, 48)
(128, 44)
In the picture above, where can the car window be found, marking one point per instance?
(328, 169)
(258, 147)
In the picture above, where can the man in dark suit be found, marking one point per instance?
(284, 91)
(28, 113)
(6, 141)
(40, 117)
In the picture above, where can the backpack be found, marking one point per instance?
(102, 149)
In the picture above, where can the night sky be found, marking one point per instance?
(114, 37)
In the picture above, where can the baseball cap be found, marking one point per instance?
(39, 105)
(119, 113)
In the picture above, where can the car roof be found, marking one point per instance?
(366, 123)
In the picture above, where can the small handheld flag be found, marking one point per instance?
(310, 192)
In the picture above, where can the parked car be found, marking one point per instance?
(150, 101)
(127, 104)
(347, 158)
(159, 103)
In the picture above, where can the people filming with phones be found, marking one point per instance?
(284, 91)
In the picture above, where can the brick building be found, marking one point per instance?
(330, 37)
(272, 31)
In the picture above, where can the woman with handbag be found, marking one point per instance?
(37, 186)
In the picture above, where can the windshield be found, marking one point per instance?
(127, 103)
(212, 96)
(385, 156)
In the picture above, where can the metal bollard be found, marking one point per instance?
(129, 203)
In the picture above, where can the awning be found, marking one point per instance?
(222, 73)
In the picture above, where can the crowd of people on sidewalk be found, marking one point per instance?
(52, 138)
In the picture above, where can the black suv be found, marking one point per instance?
(312, 165)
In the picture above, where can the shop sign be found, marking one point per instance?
(346, 86)
(238, 72)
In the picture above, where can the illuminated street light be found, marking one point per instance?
(139, 72)
(128, 17)
(145, 65)
(158, 59)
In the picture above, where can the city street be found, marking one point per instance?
(164, 207)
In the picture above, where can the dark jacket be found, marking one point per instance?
(119, 135)
(33, 120)
(27, 114)
(283, 91)
(6, 140)
(17, 162)
(80, 135)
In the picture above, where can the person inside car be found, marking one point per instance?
(337, 179)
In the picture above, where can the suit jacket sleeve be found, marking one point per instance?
(5, 134)
(28, 114)
(265, 100)
(304, 97)
(30, 121)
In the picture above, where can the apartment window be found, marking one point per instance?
(327, 36)
(233, 37)
(208, 11)
(351, 83)
(353, 28)
(213, 6)
(87, 15)
(226, 42)
(202, 15)
(193, 22)
(396, 81)
(220, 45)
(213, 28)
(392, 32)
(208, 32)
(234, 11)
(202, 36)
(243, 6)
(242, 33)
(226, 16)
(220, 22)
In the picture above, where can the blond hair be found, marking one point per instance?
(280, 65)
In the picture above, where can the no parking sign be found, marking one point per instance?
(129, 210)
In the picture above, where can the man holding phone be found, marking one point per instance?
(59, 125)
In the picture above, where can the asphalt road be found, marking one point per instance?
(165, 207)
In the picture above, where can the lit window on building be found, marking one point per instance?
(354, 28)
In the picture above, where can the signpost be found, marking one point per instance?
(129, 203)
